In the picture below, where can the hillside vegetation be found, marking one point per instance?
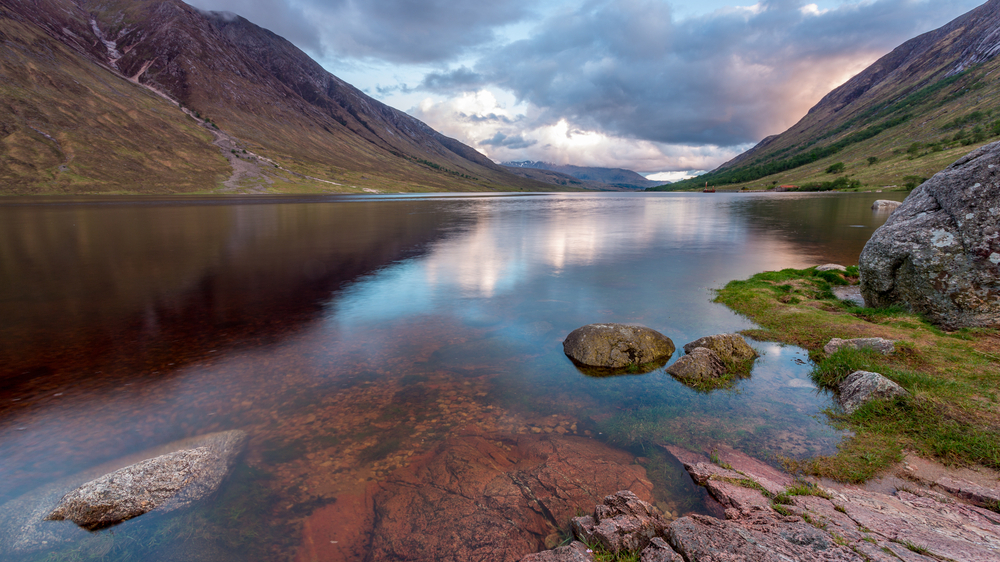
(906, 117)
(129, 96)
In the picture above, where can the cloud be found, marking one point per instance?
(502, 140)
(627, 68)
(284, 17)
(399, 31)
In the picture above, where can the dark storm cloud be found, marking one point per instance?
(502, 140)
(628, 69)
(399, 31)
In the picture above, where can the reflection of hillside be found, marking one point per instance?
(126, 288)
(835, 226)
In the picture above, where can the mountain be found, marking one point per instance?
(155, 96)
(593, 178)
(907, 116)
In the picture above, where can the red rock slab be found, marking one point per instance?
(338, 532)
(476, 498)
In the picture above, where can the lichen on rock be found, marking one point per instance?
(934, 255)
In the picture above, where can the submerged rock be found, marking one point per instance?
(881, 345)
(475, 497)
(617, 346)
(622, 522)
(163, 483)
(939, 252)
(861, 386)
(731, 348)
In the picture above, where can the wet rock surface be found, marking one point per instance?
(881, 345)
(617, 346)
(729, 347)
(165, 483)
(862, 386)
(939, 252)
(698, 366)
(622, 522)
(842, 523)
(475, 497)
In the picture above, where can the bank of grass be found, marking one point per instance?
(951, 414)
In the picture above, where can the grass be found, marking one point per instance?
(951, 413)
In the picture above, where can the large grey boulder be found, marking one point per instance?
(862, 386)
(617, 346)
(939, 252)
(165, 483)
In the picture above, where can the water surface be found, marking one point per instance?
(348, 335)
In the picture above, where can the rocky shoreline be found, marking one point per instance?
(769, 515)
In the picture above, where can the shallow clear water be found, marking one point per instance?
(349, 335)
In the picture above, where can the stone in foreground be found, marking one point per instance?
(659, 551)
(729, 347)
(861, 386)
(885, 205)
(831, 267)
(939, 252)
(881, 345)
(617, 346)
(576, 551)
(622, 522)
(163, 483)
(698, 366)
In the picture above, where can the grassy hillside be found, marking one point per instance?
(904, 118)
(69, 126)
(128, 96)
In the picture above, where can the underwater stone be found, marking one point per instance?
(163, 483)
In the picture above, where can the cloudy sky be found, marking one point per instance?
(663, 87)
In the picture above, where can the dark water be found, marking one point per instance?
(349, 335)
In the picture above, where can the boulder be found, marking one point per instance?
(885, 205)
(659, 551)
(831, 267)
(622, 522)
(881, 345)
(861, 386)
(939, 252)
(699, 365)
(164, 483)
(731, 348)
(576, 551)
(617, 346)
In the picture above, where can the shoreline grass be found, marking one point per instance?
(952, 414)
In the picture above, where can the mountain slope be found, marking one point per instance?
(610, 177)
(251, 85)
(926, 91)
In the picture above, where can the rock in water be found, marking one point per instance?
(164, 483)
(617, 346)
(699, 366)
(885, 205)
(861, 386)
(729, 347)
(831, 267)
(939, 252)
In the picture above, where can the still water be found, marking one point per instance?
(360, 340)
